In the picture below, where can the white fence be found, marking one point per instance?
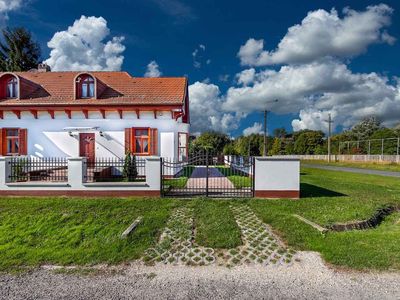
(349, 158)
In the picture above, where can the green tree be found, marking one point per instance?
(229, 149)
(18, 51)
(307, 141)
(276, 147)
(365, 128)
(280, 132)
(211, 141)
(130, 170)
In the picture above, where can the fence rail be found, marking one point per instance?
(116, 170)
(350, 158)
(48, 169)
(386, 146)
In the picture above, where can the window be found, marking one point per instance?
(182, 146)
(141, 141)
(12, 141)
(12, 88)
(85, 87)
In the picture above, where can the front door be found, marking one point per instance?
(87, 146)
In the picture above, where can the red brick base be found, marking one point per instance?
(83, 193)
(278, 194)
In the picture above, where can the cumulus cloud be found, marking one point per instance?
(7, 6)
(256, 128)
(83, 46)
(317, 89)
(321, 34)
(205, 109)
(246, 77)
(153, 70)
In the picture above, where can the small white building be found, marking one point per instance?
(92, 114)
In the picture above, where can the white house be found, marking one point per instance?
(92, 114)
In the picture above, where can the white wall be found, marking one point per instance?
(46, 137)
(277, 174)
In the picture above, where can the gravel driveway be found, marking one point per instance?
(307, 279)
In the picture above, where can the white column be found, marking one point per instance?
(3, 172)
(76, 171)
(277, 177)
(153, 173)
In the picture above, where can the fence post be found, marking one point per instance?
(382, 148)
(398, 145)
(76, 172)
(153, 173)
(4, 171)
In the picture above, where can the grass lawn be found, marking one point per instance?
(239, 181)
(180, 182)
(362, 165)
(77, 231)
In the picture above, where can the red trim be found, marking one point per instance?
(155, 114)
(86, 113)
(103, 113)
(278, 194)
(51, 113)
(69, 113)
(1, 114)
(85, 193)
(133, 141)
(34, 113)
(17, 113)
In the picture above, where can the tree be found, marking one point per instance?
(130, 170)
(307, 141)
(280, 132)
(365, 128)
(18, 52)
(211, 141)
(276, 146)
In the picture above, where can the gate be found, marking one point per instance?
(208, 175)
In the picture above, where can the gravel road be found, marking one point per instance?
(307, 279)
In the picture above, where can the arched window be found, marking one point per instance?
(12, 88)
(85, 86)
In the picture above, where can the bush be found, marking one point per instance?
(130, 170)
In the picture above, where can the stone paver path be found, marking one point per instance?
(216, 180)
(260, 244)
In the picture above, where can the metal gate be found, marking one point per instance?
(208, 175)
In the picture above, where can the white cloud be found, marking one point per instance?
(223, 77)
(322, 34)
(83, 47)
(8, 5)
(205, 109)
(198, 57)
(153, 70)
(316, 89)
(256, 128)
(246, 77)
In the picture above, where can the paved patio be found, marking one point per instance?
(216, 180)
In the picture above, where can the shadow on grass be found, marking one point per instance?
(309, 190)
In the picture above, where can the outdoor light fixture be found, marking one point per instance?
(101, 133)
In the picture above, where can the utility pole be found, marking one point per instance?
(329, 136)
(265, 152)
(265, 133)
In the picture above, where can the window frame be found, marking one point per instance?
(6, 139)
(88, 81)
(186, 147)
(14, 87)
(142, 138)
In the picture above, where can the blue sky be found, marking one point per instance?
(202, 39)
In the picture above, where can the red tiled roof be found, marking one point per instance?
(118, 88)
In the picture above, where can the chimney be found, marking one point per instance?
(43, 67)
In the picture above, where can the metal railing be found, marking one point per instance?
(48, 169)
(115, 170)
(386, 146)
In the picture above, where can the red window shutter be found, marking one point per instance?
(154, 141)
(1, 141)
(23, 142)
(128, 139)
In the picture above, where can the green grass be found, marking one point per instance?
(362, 165)
(238, 181)
(215, 225)
(180, 182)
(77, 231)
(73, 231)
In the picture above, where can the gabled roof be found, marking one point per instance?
(118, 88)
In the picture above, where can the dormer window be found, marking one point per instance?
(85, 87)
(12, 88)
